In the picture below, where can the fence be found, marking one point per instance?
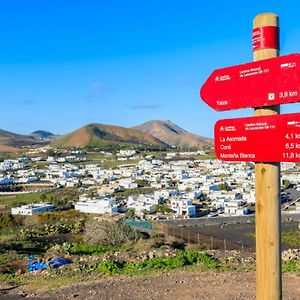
(189, 236)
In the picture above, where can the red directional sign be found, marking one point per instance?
(261, 83)
(259, 139)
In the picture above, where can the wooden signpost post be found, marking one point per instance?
(267, 184)
(263, 84)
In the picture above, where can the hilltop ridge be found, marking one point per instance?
(173, 135)
(154, 133)
(11, 139)
(97, 135)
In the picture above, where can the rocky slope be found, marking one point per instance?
(174, 135)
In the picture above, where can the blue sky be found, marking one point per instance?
(67, 63)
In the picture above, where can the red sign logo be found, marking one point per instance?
(260, 139)
(263, 83)
(265, 37)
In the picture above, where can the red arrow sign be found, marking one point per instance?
(262, 83)
(260, 139)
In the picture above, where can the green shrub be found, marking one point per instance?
(10, 262)
(196, 247)
(110, 233)
(84, 249)
(182, 259)
(9, 221)
(111, 267)
(291, 266)
(51, 230)
(291, 238)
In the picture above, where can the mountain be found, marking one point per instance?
(174, 135)
(43, 135)
(98, 135)
(17, 140)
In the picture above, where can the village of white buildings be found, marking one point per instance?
(178, 185)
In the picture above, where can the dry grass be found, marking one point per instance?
(8, 149)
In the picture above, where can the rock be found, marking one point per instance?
(23, 294)
(291, 254)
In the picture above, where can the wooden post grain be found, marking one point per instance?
(267, 190)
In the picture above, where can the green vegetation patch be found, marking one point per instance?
(291, 266)
(182, 259)
(21, 199)
(291, 238)
(95, 156)
(85, 249)
(163, 208)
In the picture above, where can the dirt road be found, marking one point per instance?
(174, 285)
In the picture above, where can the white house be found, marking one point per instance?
(161, 194)
(97, 206)
(141, 208)
(183, 207)
(126, 153)
(127, 183)
(249, 197)
(32, 209)
(142, 204)
(236, 208)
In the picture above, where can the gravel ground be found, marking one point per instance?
(174, 285)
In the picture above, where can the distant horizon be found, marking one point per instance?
(56, 133)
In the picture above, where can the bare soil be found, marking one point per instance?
(174, 285)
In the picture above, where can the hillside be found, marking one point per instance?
(173, 135)
(8, 149)
(97, 135)
(43, 135)
(17, 140)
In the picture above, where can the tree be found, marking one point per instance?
(142, 183)
(145, 212)
(163, 208)
(130, 213)
(6, 220)
(58, 202)
(92, 194)
(224, 186)
(43, 197)
(109, 233)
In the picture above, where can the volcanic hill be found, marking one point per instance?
(174, 135)
(97, 135)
